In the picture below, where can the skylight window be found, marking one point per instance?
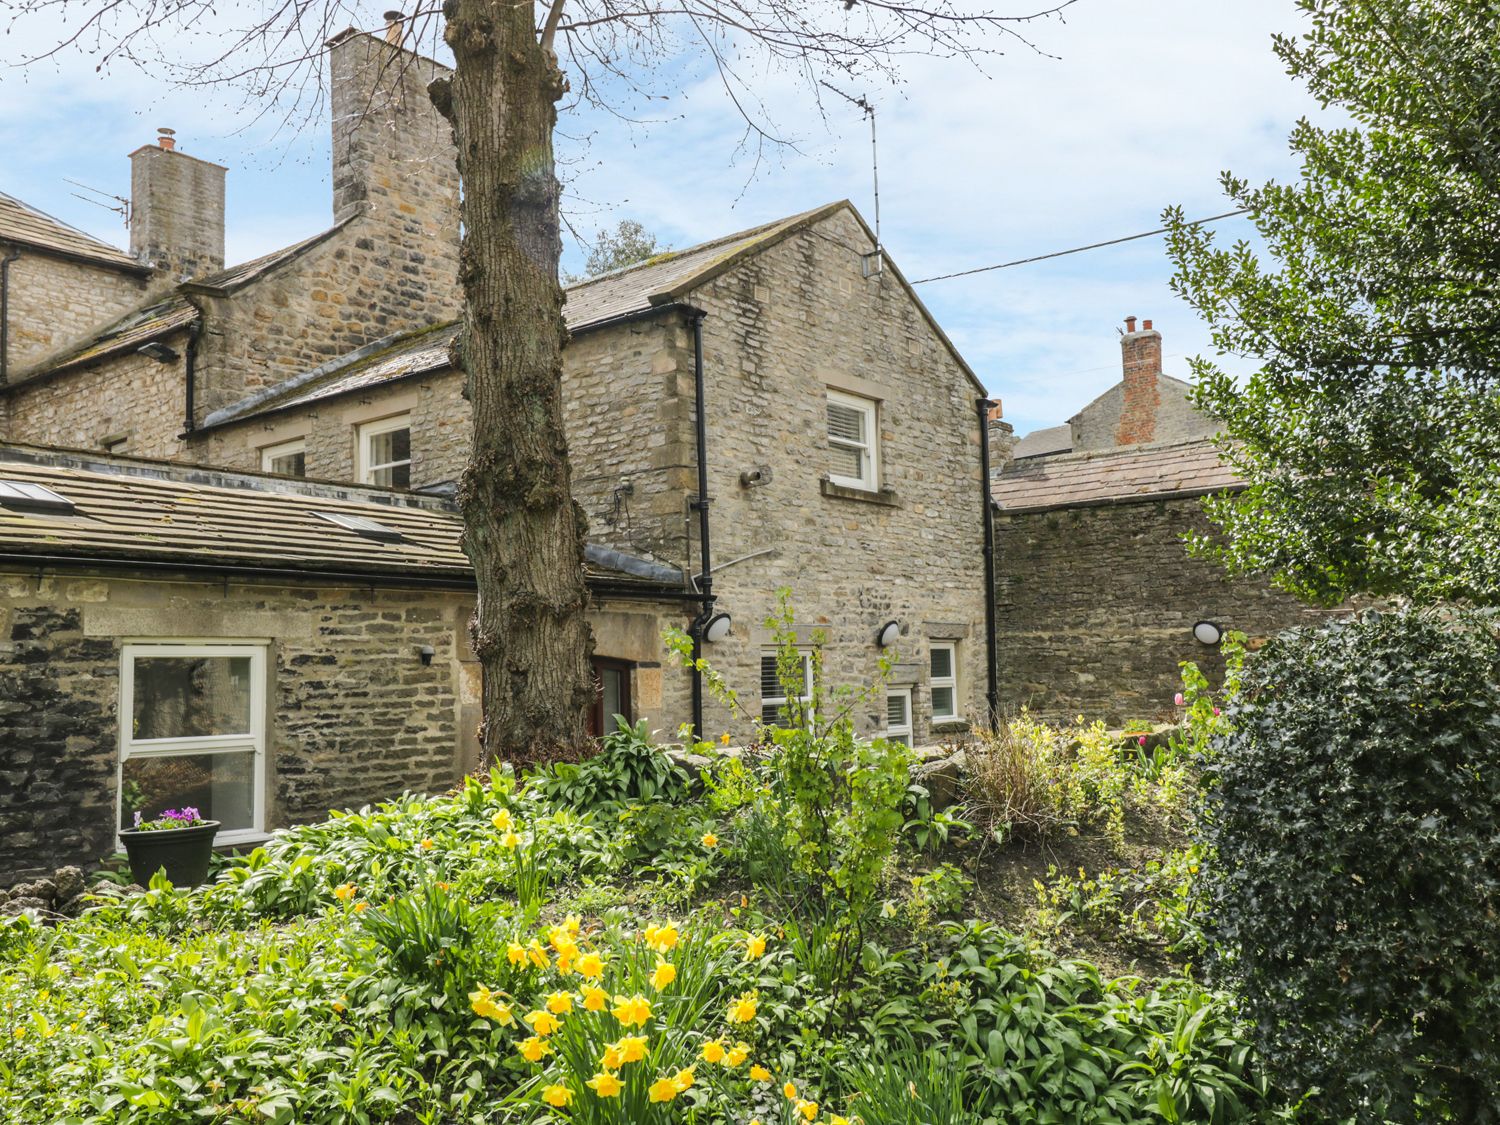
(23, 496)
(367, 528)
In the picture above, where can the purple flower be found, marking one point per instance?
(137, 818)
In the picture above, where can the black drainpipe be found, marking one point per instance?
(700, 505)
(987, 499)
(11, 255)
(189, 396)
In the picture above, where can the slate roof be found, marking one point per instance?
(1135, 474)
(235, 276)
(153, 322)
(20, 222)
(1039, 443)
(132, 511)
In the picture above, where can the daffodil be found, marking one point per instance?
(709, 840)
(537, 954)
(662, 1090)
(742, 1009)
(560, 938)
(557, 1096)
(808, 1110)
(543, 1023)
(426, 844)
(663, 939)
(631, 1010)
(664, 974)
(573, 923)
(533, 1048)
(560, 1002)
(605, 1085)
(344, 892)
(789, 1090)
(737, 1054)
(484, 1004)
(631, 1048)
(510, 840)
(613, 1059)
(361, 907)
(515, 953)
(683, 1079)
(755, 947)
(502, 821)
(713, 1051)
(590, 966)
(724, 738)
(759, 1073)
(595, 999)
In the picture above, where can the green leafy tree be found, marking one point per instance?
(1370, 432)
(626, 245)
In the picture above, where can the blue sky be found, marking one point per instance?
(1137, 105)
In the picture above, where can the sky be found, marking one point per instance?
(1130, 106)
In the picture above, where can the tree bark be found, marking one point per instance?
(523, 532)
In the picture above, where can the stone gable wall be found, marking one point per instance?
(1095, 608)
(357, 716)
(55, 302)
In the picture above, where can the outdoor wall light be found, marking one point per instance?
(716, 628)
(425, 652)
(158, 351)
(888, 634)
(1207, 633)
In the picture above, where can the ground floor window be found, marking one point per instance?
(943, 682)
(898, 715)
(611, 695)
(775, 704)
(192, 733)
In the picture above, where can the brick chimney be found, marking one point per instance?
(176, 210)
(393, 156)
(1140, 353)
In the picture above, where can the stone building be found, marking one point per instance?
(1096, 595)
(842, 452)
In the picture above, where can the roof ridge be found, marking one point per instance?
(108, 247)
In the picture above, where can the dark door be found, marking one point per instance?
(611, 694)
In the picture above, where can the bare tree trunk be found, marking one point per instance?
(522, 530)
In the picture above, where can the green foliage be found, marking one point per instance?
(1369, 433)
(1154, 908)
(628, 768)
(1353, 816)
(627, 244)
(931, 831)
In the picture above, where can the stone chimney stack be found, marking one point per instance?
(176, 210)
(1002, 439)
(1140, 352)
(393, 156)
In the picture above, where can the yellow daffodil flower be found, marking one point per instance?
(631, 1010)
(759, 1073)
(510, 840)
(737, 1054)
(515, 953)
(344, 892)
(361, 907)
(632, 1048)
(537, 954)
(835, 1119)
(502, 821)
(663, 939)
(533, 1049)
(755, 947)
(426, 844)
(573, 923)
(590, 966)
(664, 974)
(557, 1096)
(683, 1079)
(742, 1010)
(543, 1023)
(709, 840)
(605, 1085)
(595, 999)
(662, 1090)
(789, 1090)
(485, 1005)
(565, 960)
(713, 1051)
(808, 1110)
(560, 1003)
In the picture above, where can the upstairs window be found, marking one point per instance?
(385, 452)
(898, 715)
(852, 441)
(289, 459)
(775, 704)
(943, 682)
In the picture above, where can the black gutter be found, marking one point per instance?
(700, 505)
(84, 259)
(984, 405)
(189, 395)
(13, 253)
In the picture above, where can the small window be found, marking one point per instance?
(898, 715)
(192, 733)
(23, 496)
(943, 683)
(368, 528)
(775, 706)
(289, 459)
(852, 441)
(385, 452)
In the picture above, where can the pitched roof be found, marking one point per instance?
(1131, 475)
(153, 322)
(244, 273)
(22, 223)
(136, 511)
(1039, 443)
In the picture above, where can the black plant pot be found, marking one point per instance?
(182, 852)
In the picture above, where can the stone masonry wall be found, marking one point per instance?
(133, 397)
(55, 302)
(356, 715)
(1095, 608)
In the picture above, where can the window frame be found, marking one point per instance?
(291, 447)
(908, 730)
(870, 449)
(949, 681)
(252, 741)
(365, 469)
(781, 701)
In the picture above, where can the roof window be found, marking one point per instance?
(23, 496)
(367, 528)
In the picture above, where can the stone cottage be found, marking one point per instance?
(843, 437)
(1097, 601)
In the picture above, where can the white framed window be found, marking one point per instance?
(853, 441)
(384, 452)
(289, 458)
(942, 682)
(898, 727)
(193, 733)
(773, 697)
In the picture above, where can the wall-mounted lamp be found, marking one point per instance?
(158, 351)
(888, 634)
(716, 628)
(1207, 633)
(425, 652)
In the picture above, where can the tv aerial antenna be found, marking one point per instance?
(874, 263)
(116, 204)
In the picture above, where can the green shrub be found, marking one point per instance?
(1353, 894)
(629, 767)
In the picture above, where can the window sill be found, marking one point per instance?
(885, 497)
(949, 726)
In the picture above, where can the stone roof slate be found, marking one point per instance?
(1135, 474)
(20, 222)
(1039, 443)
(134, 510)
(153, 322)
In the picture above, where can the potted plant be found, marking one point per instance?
(179, 842)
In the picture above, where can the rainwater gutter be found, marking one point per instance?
(992, 697)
